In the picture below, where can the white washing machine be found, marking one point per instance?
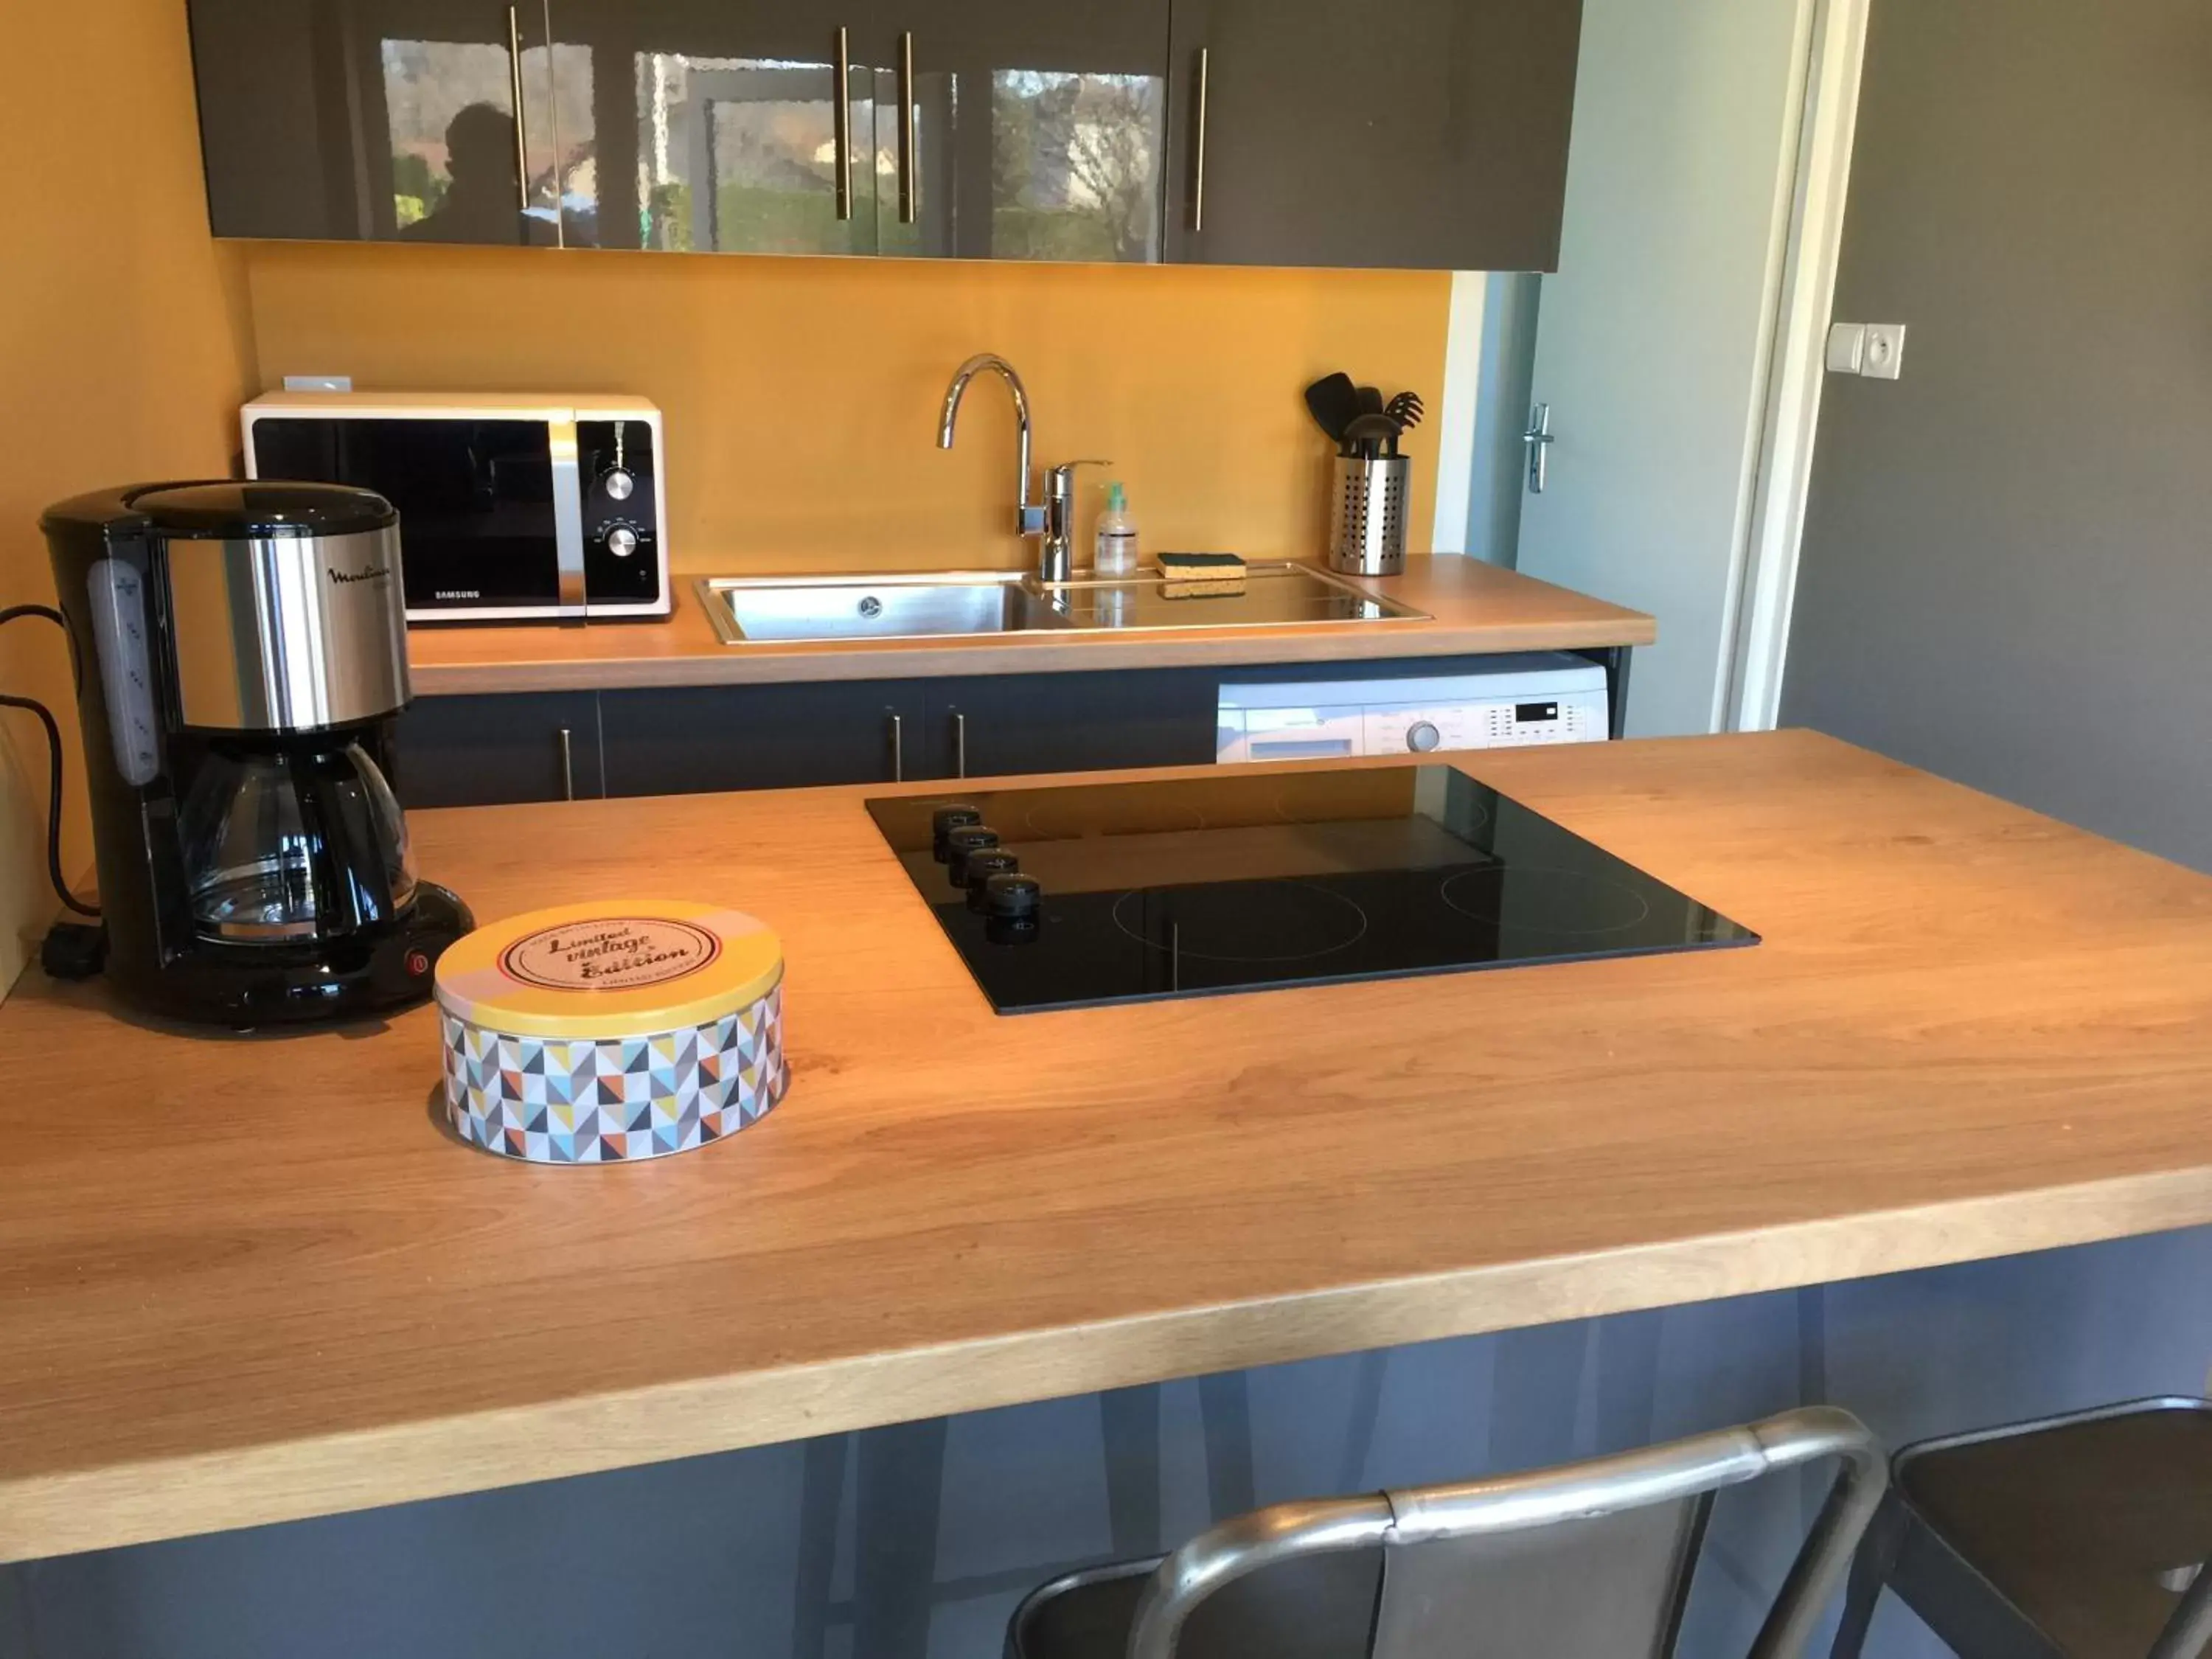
(1533, 697)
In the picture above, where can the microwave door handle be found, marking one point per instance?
(567, 517)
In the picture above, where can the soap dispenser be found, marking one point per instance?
(1117, 551)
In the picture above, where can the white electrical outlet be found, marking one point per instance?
(1885, 351)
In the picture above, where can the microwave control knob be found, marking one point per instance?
(622, 541)
(1422, 736)
(621, 485)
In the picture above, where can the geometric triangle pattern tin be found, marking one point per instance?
(612, 1031)
(615, 1100)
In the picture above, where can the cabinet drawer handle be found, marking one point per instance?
(568, 766)
(841, 119)
(959, 745)
(1198, 145)
(898, 749)
(909, 164)
(521, 120)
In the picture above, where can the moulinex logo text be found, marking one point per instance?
(368, 573)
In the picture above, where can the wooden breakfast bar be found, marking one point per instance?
(249, 1279)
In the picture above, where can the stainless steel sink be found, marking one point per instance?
(796, 608)
(872, 607)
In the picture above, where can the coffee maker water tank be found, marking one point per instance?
(250, 645)
(283, 632)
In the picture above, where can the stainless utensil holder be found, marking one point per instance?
(1367, 516)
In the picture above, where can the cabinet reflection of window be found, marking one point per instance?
(1075, 165)
(741, 155)
(449, 120)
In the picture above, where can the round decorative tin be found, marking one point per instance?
(609, 1032)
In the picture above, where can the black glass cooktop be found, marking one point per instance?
(1234, 881)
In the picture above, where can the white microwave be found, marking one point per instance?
(513, 508)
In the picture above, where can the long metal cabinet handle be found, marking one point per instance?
(1198, 146)
(553, 117)
(841, 120)
(959, 745)
(909, 163)
(568, 766)
(898, 749)
(521, 117)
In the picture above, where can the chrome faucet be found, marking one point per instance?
(1052, 520)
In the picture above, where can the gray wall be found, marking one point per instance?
(2008, 563)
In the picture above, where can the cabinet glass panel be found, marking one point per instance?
(1024, 131)
(392, 119)
(715, 125)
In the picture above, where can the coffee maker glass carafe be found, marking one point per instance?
(294, 843)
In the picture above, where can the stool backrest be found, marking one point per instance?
(1591, 1557)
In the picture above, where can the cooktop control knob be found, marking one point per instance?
(944, 821)
(622, 541)
(1422, 736)
(621, 485)
(959, 843)
(1013, 899)
(984, 863)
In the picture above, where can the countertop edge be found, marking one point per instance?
(1035, 654)
(63, 1513)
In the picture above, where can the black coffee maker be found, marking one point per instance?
(241, 652)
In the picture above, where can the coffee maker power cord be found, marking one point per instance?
(53, 748)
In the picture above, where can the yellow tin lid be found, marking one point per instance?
(615, 968)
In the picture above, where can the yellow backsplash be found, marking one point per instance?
(801, 394)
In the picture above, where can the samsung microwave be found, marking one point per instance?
(511, 507)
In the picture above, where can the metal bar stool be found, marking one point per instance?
(2074, 1537)
(1591, 1557)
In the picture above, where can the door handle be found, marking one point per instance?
(1538, 441)
(898, 748)
(568, 766)
(959, 745)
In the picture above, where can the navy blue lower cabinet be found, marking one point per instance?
(684, 740)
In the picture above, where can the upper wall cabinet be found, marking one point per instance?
(1424, 133)
(732, 126)
(1021, 129)
(380, 120)
(1419, 134)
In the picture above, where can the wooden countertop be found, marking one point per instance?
(246, 1280)
(1472, 607)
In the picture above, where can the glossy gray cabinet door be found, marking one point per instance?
(1021, 129)
(1417, 134)
(715, 124)
(390, 120)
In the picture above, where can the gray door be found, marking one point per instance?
(1423, 133)
(1652, 338)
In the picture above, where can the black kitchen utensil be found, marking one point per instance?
(1333, 401)
(1371, 401)
(1372, 437)
(1406, 409)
